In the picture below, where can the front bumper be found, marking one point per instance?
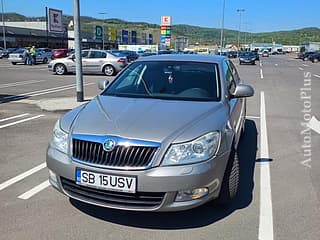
(160, 183)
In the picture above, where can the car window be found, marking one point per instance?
(234, 72)
(84, 54)
(97, 54)
(231, 84)
(168, 80)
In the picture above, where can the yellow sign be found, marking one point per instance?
(112, 34)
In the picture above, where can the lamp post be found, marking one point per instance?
(239, 11)
(103, 13)
(222, 26)
(3, 27)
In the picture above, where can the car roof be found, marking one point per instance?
(183, 57)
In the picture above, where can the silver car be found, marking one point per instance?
(93, 61)
(18, 56)
(162, 136)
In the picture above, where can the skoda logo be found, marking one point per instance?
(109, 145)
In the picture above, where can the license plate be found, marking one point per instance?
(106, 181)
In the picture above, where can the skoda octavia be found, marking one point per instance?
(162, 136)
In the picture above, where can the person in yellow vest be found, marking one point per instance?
(33, 55)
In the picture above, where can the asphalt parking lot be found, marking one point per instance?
(280, 169)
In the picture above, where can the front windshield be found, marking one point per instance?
(173, 80)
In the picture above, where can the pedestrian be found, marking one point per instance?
(28, 56)
(33, 54)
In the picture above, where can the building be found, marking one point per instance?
(311, 46)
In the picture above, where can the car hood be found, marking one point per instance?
(145, 119)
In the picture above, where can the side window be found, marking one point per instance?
(85, 54)
(234, 72)
(98, 54)
(231, 84)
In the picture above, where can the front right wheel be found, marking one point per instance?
(109, 70)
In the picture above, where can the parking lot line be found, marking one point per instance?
(22, 176)
(21, 121)
(34, 190)
(14, 117)
(316, 75)
(6, 85)
(305, 65)
(266, 216)
(301, 68)
(261, 73)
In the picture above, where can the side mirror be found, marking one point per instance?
(73, 57)
(102, 84)
(242, 91)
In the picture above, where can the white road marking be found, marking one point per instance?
(305, 65)
(43, 92)
(6, 85)
(22, 176)
(21, 121)
(34, 190)
(316, 75)
(314, 124)
(260, 63)
(261, 73)
(14, 117)
(301, 68)
(253, 117)
(276, 64)
(266, 217)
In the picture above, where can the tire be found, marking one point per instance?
(60, 69)
(230, 183)
(14, 63)
(45, 60)
(240, 63)
(305, 59)
(109, 70)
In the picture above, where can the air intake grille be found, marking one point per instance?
(121, 156)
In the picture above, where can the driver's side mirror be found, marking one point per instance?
(102, 84)
(243, 90)
(73, 57)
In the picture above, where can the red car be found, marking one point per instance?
(60, 53)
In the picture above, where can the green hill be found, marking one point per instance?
(201, 35)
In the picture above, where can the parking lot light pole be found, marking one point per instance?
(3, 27)
(77, 43)
(222, 26)
(239, 11)
(103, 13)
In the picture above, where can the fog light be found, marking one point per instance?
(191, 194)
(53, 179)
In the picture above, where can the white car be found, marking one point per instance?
(93, 61)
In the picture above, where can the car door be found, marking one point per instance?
(235, 104)
(94, 61)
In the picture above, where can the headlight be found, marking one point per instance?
(197, 150)
(60, 138)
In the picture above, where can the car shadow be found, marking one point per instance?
(5, 98)
(202, 216)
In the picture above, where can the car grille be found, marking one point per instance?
(111, 198)
(121, 156)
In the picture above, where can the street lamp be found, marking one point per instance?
(103, 13)
(239, 11)
(222, 27)
(3, 28)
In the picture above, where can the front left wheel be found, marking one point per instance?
(230, 183)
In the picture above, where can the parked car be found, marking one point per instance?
(60, 53)
(305, 55)
(93, 61)
(130, 55)
(232, 54)
(247, 58)
(265, 54)
(5, 52)
(43, 55)
(315, 57)
(162, 136)
(256, 54)
(18, 56)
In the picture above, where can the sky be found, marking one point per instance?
(258, 15)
